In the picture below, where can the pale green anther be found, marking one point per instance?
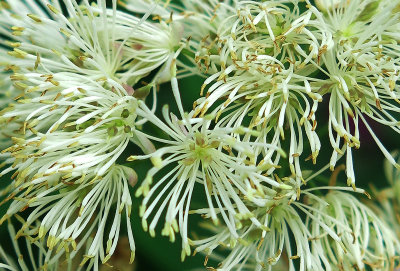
(285, 186)
(144, 225)
(157, 161)
(34, 17)
(132, 258)
(53, 9)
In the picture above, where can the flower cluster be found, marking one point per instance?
(80, 110)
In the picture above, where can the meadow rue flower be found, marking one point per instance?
(259, 68)
(158, 7)
(74, 120)
(69, 125)
(194, 20)
(31, 255)
(7, 93)
(370, 243)
(391, 47)
(91, 40)
(75, 97)
(213, 157)
(269, 112)
(363, 73)
(387, 208)
(287, 218)
(388, 199)
(392, 174)
(256, 37)
(73, 213)
(329, 4)
(71, 132)
(5, 82)
(286, 235)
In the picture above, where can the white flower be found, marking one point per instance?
(78, 71)
(91, 40)
(285, 235)
(292, 226)
(76, 116)
(71, 132)
(387, 208)
(330, 4)
(69, 125)
(73, 214)
(33, 256)
(198, 17)
(7, 93)
(216, 159)
(255, 36)
(392, 173)
(191, 19)
(266, 250)
(367, 240)
(388, 205)
(363, 70)
(260, 68)
(271, 115)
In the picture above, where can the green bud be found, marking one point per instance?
(125, 113)
(370, 10)
(127, 129)
(142, 92)
(112, 131)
